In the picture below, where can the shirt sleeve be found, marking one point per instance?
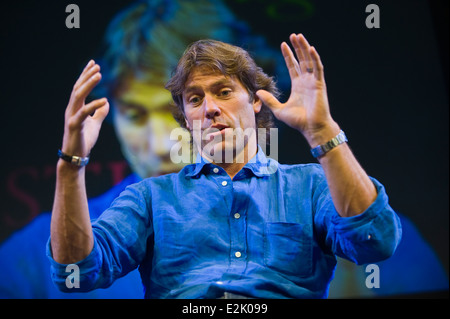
(369, 237)
(120, 243)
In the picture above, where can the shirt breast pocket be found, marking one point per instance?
(288, 248)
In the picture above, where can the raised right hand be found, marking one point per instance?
(83, 121)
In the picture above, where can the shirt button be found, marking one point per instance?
(237, 215)
(238, 254)
(215, 170)
(224, 183)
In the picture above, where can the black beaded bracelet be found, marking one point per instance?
(75, 160)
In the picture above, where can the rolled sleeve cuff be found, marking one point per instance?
(371, 236)
(87, 270)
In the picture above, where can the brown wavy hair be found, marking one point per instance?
(231, 61)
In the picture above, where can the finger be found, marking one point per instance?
(85, 69)
(101, 112)
(81, 93)
(268, 99)
(302, 47)
(90, 109)
(89, 64)
(318, 66)
(86, 75)
(78, 93)
(291, 62)
(300, 56)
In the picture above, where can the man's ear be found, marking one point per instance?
(257, 103)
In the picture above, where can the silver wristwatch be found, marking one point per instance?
(335, 141)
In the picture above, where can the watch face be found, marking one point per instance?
(80, 161)
(75, 160)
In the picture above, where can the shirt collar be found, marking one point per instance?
(260, 165)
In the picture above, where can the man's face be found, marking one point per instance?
(143, 123)
(220, 103)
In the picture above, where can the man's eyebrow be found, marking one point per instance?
(127, 104)
(190, 89)
(214, 85)
(222, 82)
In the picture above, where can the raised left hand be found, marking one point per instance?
(307, 108)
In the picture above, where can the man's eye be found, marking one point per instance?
(135, 115)
(225, 92)
(132, 116)
(194, 100)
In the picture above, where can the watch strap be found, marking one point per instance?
(75, 160)
(328, 146)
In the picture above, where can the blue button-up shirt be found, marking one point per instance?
(270, 232)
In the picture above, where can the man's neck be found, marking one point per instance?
(239, 160)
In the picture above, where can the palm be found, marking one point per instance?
(307, 108)
(90, 132)
(300, 111)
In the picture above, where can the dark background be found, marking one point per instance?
(388, 89)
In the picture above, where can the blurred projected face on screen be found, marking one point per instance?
(143, 122)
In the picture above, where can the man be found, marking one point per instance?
(141, 114)
(223, 226)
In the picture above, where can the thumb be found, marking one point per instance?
(101, 112)
(268, 99)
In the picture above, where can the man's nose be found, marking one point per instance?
(212, 109)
